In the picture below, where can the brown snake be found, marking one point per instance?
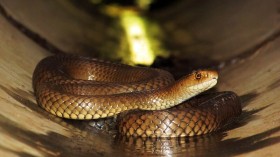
(76, 87)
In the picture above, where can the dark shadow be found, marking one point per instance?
(247, 115)
(87, 143)
(209, 145)
(179, 67)
(274, 85)
(22, 97)
(29, 33)
(51, 144)
(21, 154)
(244, 118)
(252, 51)
(247, 98)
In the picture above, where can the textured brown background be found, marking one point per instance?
(242, 34)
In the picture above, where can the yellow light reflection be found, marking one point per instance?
(138, 40)
(144, 4)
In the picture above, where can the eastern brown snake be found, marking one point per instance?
(76, 87)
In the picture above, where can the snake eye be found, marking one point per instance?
(198, 76)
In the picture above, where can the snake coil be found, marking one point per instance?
(78, 87)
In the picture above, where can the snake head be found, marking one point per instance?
(198, 81)
(204, 75)
(202, 80)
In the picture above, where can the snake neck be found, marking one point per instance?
(177, 93)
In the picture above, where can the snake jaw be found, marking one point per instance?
(201, 87)
(206, 80)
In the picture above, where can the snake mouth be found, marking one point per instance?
(213, 75)
(215, 78)
(204, 85)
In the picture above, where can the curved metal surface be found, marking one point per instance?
(241, 36)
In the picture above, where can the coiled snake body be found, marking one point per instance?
(77, 87)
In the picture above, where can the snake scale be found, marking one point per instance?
(77, 87)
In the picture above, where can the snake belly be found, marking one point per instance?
(77, 87)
